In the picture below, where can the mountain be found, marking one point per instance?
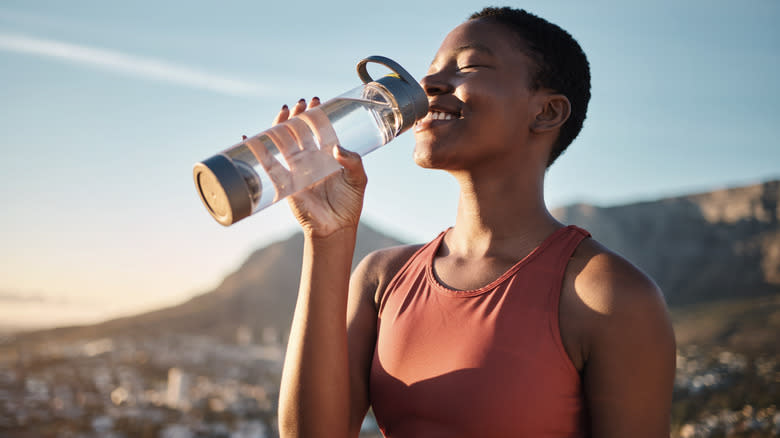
(745, 325)
(703, 248)
(260, 294)
(711, 246)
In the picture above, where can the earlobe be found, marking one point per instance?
(553, 113)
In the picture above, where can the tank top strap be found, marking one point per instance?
(557, 259)
(417, 261)
(560, 250)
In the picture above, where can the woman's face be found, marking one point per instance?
(481, 102)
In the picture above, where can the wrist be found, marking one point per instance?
(346, 232)
(328, 257)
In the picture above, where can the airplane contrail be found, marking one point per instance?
(131, 64)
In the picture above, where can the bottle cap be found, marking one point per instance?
(407, 92)
(222, 189)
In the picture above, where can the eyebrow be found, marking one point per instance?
(475, 46)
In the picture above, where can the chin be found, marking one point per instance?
(426, 152)
(428, 158)
(440, 153)
(422, 160)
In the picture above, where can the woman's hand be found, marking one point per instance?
(336, 202)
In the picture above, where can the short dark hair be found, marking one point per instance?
(561, 65)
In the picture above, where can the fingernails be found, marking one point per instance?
(315, 98)
(243, 137)
(302, 101)
(284, 107)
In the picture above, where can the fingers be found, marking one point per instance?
(352, 164)
(301, 105)
(298, 108)
(283, 115)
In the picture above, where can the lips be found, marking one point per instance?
(437, 115)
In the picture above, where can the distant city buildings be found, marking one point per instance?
(167, 386)
(243, 335)
(179, 386)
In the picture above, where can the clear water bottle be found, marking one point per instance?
(295, 154)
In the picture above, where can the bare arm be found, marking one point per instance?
(361, 337)
(314, 394)
(630, 352)
(315, 388)
(367, 283)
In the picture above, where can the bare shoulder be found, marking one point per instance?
(608, 284)
(378, 268)
(606, 298)
(617, 331)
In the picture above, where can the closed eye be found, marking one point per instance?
(471, 67)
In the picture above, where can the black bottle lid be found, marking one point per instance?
(222, 189)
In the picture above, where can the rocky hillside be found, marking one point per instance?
(704, 247)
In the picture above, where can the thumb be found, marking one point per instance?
(352, 163)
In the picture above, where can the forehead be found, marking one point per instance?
(481, 35)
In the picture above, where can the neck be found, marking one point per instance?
(501, 216)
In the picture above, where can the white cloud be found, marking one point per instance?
(130, 64)
(7, 296)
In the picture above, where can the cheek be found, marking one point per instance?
(497, 119)
(437, 152)
(506, 115)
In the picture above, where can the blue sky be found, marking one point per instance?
(105, 107)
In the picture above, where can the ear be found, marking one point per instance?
(554, 110)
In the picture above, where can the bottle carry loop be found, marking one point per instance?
(387, 62)
(410, 98)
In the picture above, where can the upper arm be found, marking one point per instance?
(629, 370)
(367, 282)
(361, 337)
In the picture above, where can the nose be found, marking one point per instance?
(435, 84)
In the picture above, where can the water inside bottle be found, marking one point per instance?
(363, 125)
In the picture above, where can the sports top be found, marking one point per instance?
(487, 362)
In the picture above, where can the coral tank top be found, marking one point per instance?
(478, 363)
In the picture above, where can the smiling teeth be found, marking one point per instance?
(436, 115)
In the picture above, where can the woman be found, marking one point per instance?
(508, 323)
